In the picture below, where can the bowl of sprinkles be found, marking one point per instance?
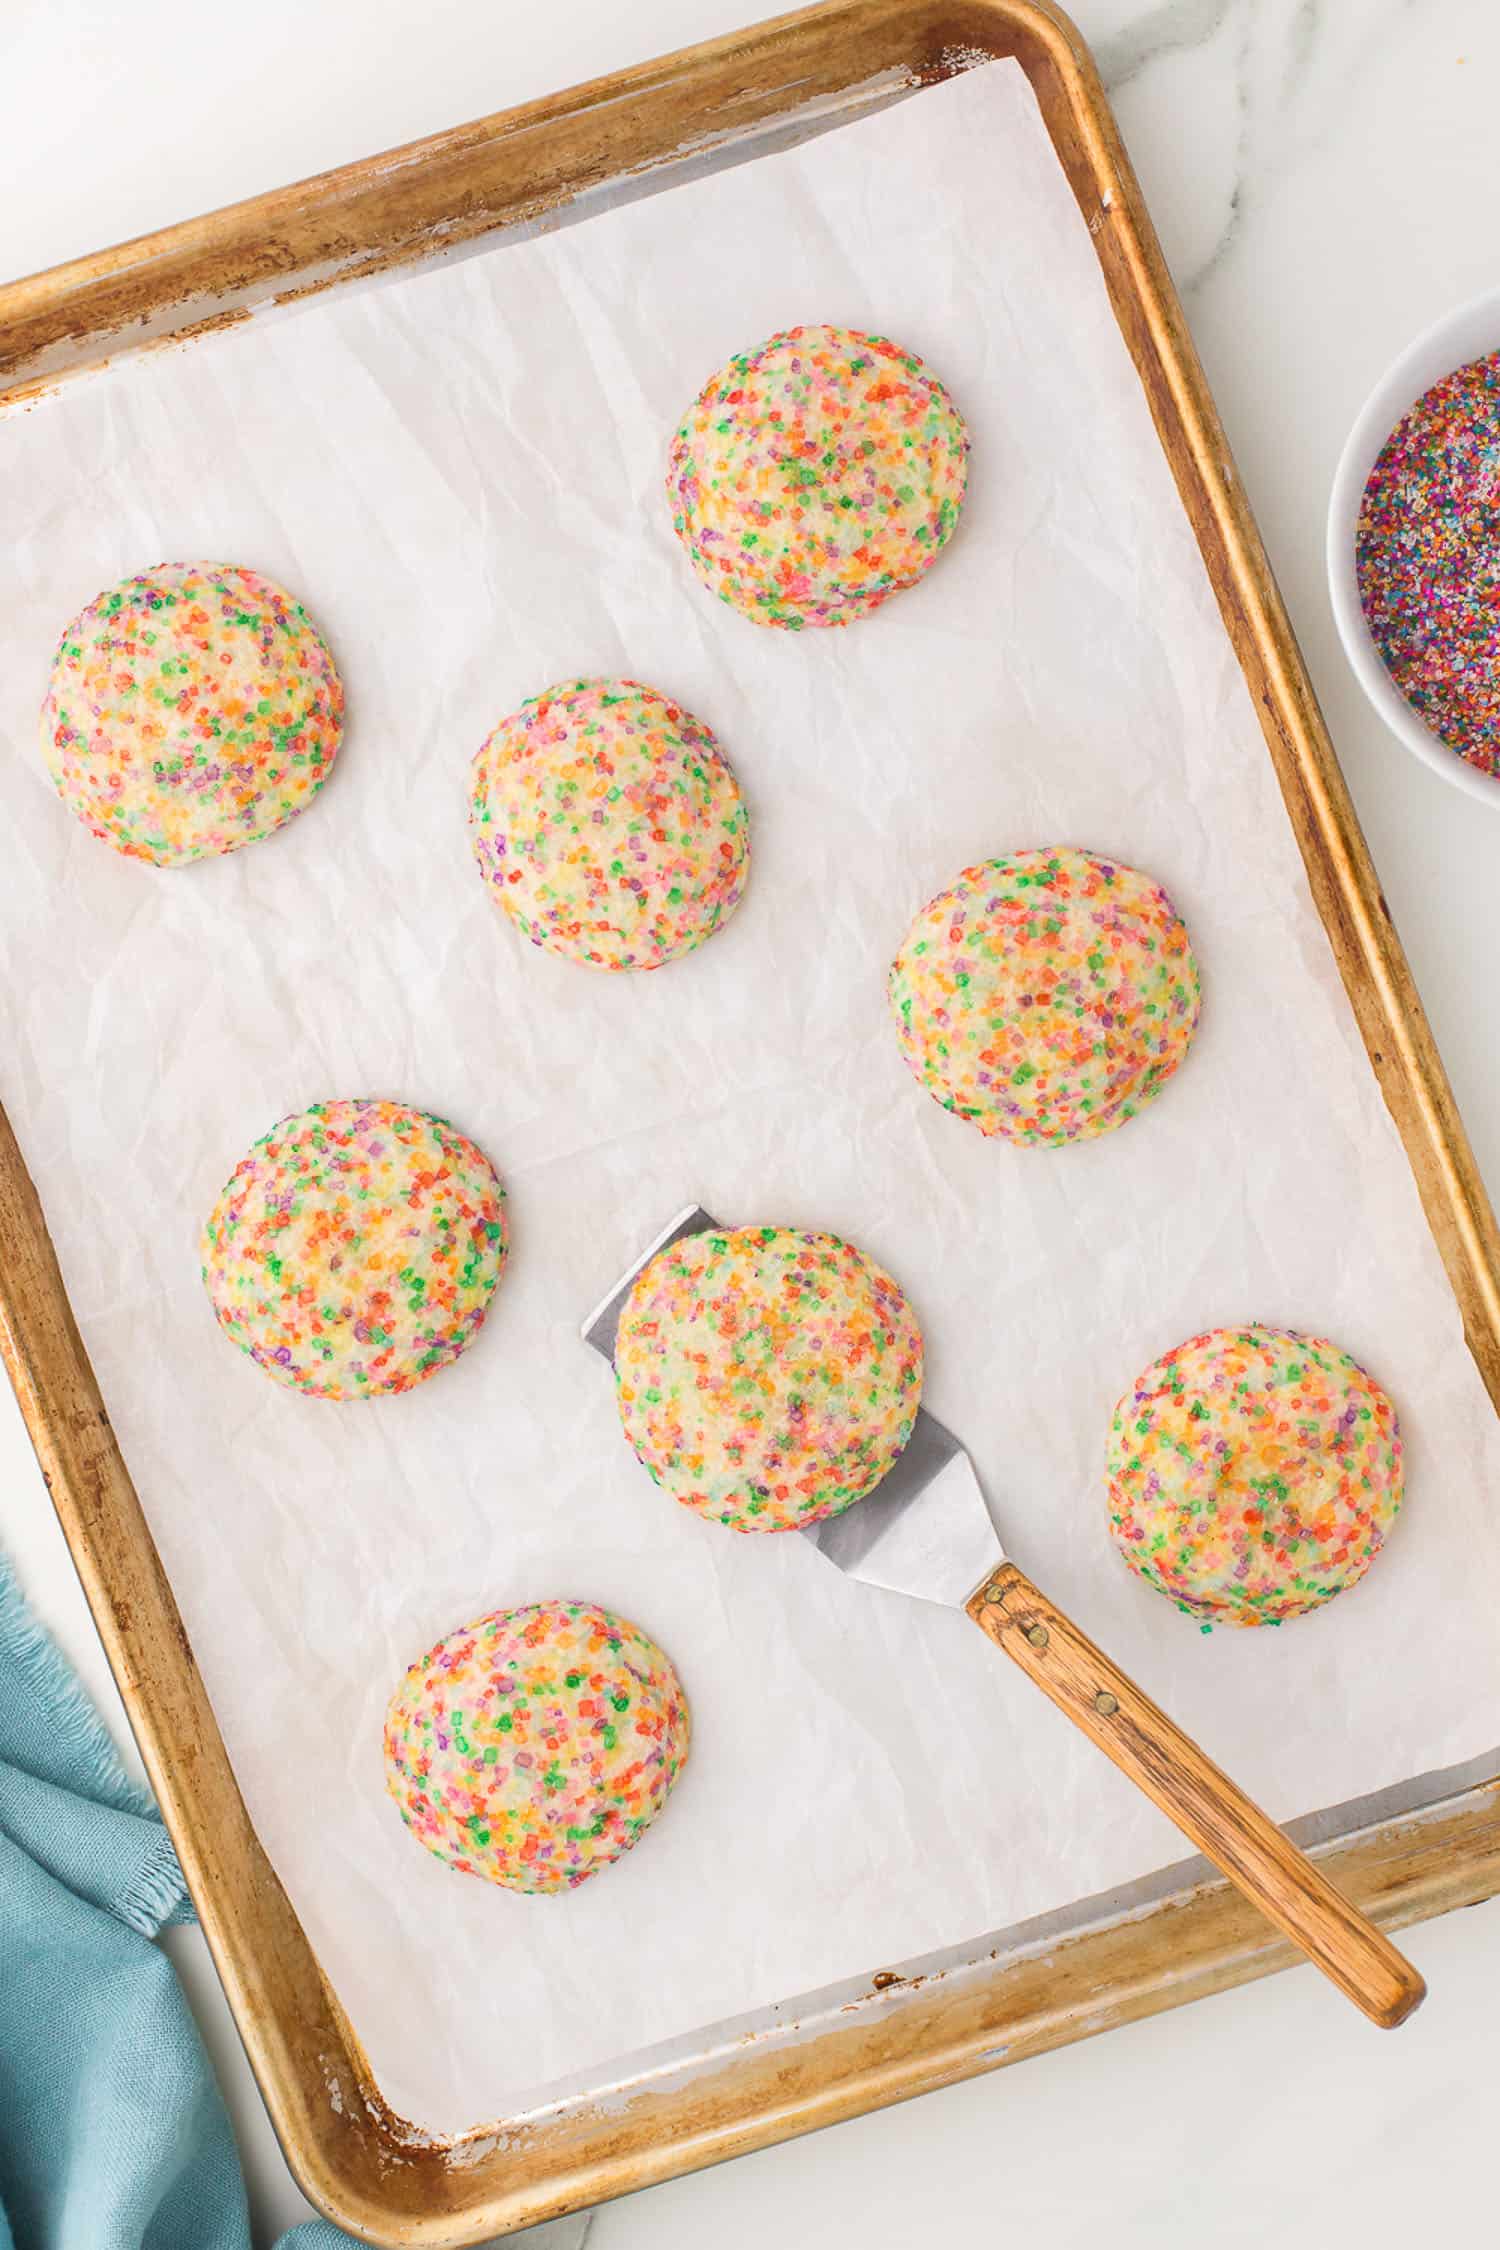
(1414, 548)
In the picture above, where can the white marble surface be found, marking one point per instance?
(1320, 172)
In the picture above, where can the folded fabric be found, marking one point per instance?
(113, 2133)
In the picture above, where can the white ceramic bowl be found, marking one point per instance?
(1469, 333)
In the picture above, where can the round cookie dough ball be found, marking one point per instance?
(191, 709)
(356, 1248)
(1047, 996)
(767, 1378)
(1253, 1474)
(536, 1746)
(816, 476)
(608, 824)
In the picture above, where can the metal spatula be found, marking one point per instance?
(926, 1531)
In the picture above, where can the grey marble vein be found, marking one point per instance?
(1294, 67)
(1165, 29)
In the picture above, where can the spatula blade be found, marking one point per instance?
(924, 1531)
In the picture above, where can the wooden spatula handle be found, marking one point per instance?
(1234, 1833)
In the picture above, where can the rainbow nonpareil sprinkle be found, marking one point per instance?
(1047, 996)
(537, 1745)
(356, 1248)
(1253, 1474)
(191, 710)
(767, 1378)
(815, 477)
(608, 825)
(1427, 556)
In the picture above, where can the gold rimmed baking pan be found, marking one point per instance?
(1410, 1853)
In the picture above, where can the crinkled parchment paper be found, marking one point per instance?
(461, 473)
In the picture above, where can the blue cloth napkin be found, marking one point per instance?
(113, 2134)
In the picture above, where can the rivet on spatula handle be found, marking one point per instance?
(1248, 1847)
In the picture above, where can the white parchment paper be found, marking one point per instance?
(461, 473)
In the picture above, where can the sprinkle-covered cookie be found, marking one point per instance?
(537, 1745)
(191, 709)
(767, 1378)
(1047, 996)
(608, 825)
(356, 1248)
(1253, 1474)
(815, 477)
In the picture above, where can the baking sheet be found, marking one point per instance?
(461, 474)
